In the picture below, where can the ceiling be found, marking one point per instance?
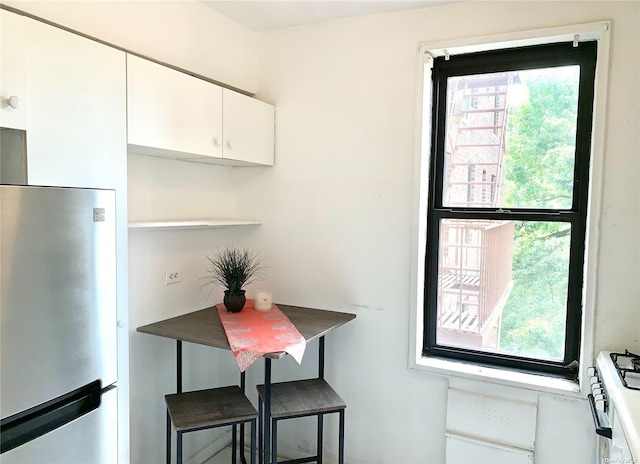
(269, 15)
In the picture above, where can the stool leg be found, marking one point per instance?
(168, 438)
(179, 446)
(341, 439)
(260, 436)
(320, 439)
(274, 441)
(253, 441)
(241, 448)
(234, 444)
(267, 411)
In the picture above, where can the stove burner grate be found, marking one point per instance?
(631, 366)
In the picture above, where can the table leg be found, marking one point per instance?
(321, 358)
(260, 430)
(243, 386)
(267, 410)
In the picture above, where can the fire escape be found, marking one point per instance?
(475, 256)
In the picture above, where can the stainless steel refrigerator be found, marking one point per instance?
(58, 360)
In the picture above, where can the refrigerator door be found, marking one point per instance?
(58, 293)
(90, 439)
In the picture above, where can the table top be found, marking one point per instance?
(204, 326)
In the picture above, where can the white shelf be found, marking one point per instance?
(191, 224)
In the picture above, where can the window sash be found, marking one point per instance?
(498, 61)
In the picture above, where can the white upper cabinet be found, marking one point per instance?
(173, 114)
(248, 128)
(76, 113)
(13, 83)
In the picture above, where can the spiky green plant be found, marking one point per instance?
(233, 268)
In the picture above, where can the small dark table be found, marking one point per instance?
(204, 328)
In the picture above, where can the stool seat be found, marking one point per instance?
(205, 409)
(302, 398)
(209, 408)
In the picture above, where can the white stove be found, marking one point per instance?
(615, 406)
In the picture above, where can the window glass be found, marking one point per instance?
(510, 139)
(502, 286)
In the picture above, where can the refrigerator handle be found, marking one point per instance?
(28, 425)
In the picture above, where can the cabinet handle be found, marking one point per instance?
(216, 141)
(229, 145)
(13, 101)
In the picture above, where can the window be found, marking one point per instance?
(507, 206)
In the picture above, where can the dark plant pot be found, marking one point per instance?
(234, 302)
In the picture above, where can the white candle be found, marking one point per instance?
(263, 301)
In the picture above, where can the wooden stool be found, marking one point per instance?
(301, 398)
(206, 409)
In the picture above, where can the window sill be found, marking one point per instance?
(537, 383)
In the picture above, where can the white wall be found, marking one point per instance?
(186, 33)
(336, 211)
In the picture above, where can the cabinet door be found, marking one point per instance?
(248, 129)
(172, 113)
(76, 115)
(13, 86)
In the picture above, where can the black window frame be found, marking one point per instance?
(513, 59)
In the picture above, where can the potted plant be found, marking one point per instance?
(232, 269)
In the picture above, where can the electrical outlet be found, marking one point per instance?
(172, 276)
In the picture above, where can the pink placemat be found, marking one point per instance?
(252, 334)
